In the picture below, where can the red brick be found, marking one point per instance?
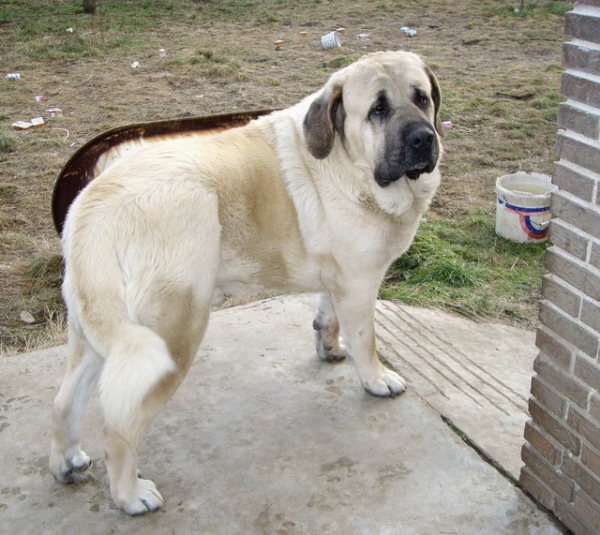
(536, 488)
(586, 426)
(555, 348)
(561, 294)
(580, 475)
(595, 406)
(580, 150)
(554, 427)
(583, 26)
(548, 397)
(581, 57)
(567, 515)
(587, 370)
(590, 459)
(576, 180)
(552, 478)
(581, 119)
(595, 256)
(566, 267)
(568, 328)
(580, 275)
(590, 314)
(563, 382)
(568, 238)
(544, 445)
(588, 509)
(584, 216)
(581, 88)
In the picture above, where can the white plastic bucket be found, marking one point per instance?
(523, 206)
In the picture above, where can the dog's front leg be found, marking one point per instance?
(354, 306)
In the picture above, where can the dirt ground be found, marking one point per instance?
(492, 69)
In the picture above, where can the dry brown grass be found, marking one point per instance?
(220, 57)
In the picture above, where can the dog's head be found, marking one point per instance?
(384, 107)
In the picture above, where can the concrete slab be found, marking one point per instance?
(262, 437)
(478, 375)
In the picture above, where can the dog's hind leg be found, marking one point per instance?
(67, 462)
(134, 368)
(138, 378)
(327, 338)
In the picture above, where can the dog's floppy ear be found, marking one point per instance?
(436, 94)
(325, 115)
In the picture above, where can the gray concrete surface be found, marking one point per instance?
(264, 438)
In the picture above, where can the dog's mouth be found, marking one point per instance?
(385, 177)
(416, 172)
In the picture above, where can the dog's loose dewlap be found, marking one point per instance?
(320, 197)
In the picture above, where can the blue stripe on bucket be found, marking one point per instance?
(536, 231)
(522, 209)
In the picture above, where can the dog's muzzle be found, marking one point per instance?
(413, 152)
(420, 143)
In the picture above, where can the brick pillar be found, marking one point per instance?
(562, 448)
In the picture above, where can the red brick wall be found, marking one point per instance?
(562, 448)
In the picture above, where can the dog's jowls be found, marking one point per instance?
(320, 197)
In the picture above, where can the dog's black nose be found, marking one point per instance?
(420, 138)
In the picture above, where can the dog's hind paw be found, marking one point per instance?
(145, 499)
(75, 469)
(328, 348)
(330, 354)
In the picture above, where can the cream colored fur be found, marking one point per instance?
(161, 234)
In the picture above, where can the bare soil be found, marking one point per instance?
(493, 69)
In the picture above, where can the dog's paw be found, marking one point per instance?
(388, 384)
(145, 498)
(331, 354)
(75, 469)
(328, 350)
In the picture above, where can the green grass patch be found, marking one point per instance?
(60, 30)
(41, 27)
(340, 62)
(464, 266)
(8, 141)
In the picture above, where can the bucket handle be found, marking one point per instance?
(535, 231)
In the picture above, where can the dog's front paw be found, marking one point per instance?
(73, 469)
(387, 384)
(143, 499)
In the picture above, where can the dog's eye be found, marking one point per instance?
(379, 110)
(421, 100)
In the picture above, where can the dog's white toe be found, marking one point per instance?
(388, 384)
(145, 499)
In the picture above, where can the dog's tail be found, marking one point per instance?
(137, 362)
(136, 358)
